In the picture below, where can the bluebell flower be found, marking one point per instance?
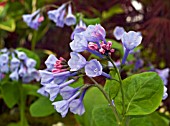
(22, 71)
(80, 27)
(30, 63)
(51, 60)
(76, 105)
(4, 50)
(93, 69)
(4, 68)
(67, 92)
(32, 20)
(95, 33)
(130, 40)
(79, 44)
(70, 18)
(165, 94)
(46, 77)
(15, 63)
(76, 62)
(53, 89)
(2, 76)
(42, 91)
(164, 74)
(63, 106)
(4, 58)
(58, 15)
(14, 75)
(118, 32)
(21, 55)
(139, 63)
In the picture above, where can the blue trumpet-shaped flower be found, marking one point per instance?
(79, 44)
(63, 106)
(14, 75)
(51, 60)
(164, 74)
(76, 62)
(118, 32)
(95, 33)
(42, 91)
(130, 40)
(76, 105)
(70, 18)
(78, 29)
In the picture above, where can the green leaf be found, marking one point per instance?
(8, 25)
(91, 21)
(31, 89)
(31, 54)
(143, 94)
(10, 93)
(42, 107)
(78, 83)
(104, 116)
(153, 119)
(92, 99)
(112, 86)
(116, 9)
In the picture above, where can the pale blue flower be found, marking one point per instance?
(30, 63)
(95, 33)
(4, 68)
(4, 59)
(21, 55)
(42, 91)
(76, 105)
(70, 18)
(76, 62)
(118, 32)
(63, 106)
(22, 71)
(93, 68)
(164, 74)
(46, 77)
(14, 75)
(165, 94)
(67, 92)
(130, 40)
(51, 60)
(15, 63)
(81, 27)
(79, 44)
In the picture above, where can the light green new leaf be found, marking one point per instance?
(104, 116)
(91, 21)
(8, 25)
(143, 94)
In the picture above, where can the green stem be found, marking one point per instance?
(23, 120)
(121, 84)
(108, 99)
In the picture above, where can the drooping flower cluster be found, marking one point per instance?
(130, 40)
(92, 39)
(60, 74)
(18, 65)
(33, 20)
(164, 74)
(59, 16)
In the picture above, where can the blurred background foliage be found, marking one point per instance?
(150, 17)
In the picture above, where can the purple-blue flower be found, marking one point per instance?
(46, 77)
(76, 105)
(63, 106)
(53, 89)
(67, 92)
(32, 20)
(21, 55)
(42, 91)
(118, 32)
(15, 63)
(165, 94)
(51, 60)
(79, 44)
(70, 18)
(14, 75)
(76, 62)
(93, 68)
(30, 63)
(130, 40)
(58, 15)
(164, 74)
(95, 33)
(78, 29)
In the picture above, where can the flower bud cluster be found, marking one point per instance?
(18, 65)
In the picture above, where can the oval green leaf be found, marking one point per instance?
(143, 94)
